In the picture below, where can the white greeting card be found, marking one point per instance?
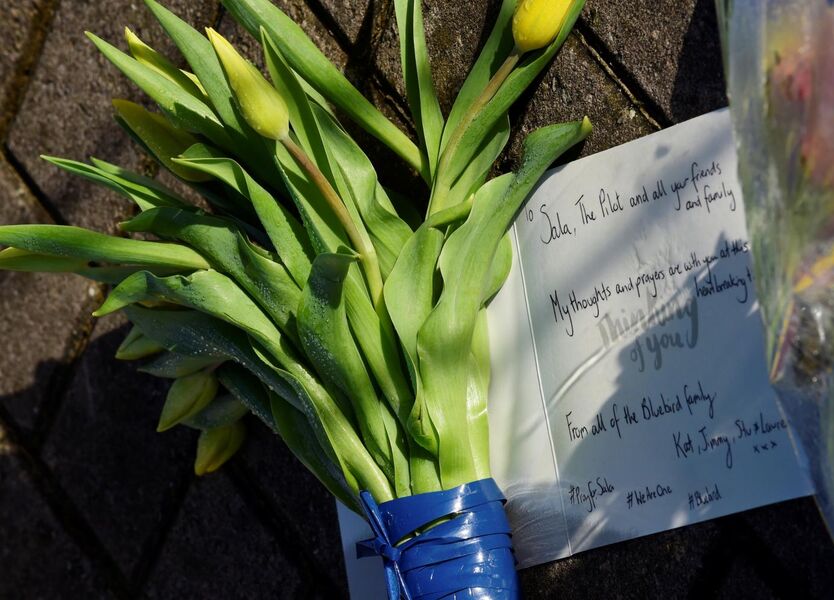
(630, 391)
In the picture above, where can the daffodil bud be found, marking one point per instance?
(261, 104)
(137, 345)
(160, 63)
(187, 396)
(536, 23)
(163, 139)
(216, 446)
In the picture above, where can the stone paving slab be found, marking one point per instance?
(105, 452)
(37, 557)
(218, 549)
(30, 306)
(800, 551)
(669, 48)
(301, 14)
(67, 110)
(742, 581)
(16, 32)
(349, 16)
(307, 19)
(575, 85)
(303, 506)
(663, 565)
(454, 35)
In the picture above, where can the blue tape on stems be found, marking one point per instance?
(468, 557)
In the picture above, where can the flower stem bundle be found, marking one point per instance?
(301, 295)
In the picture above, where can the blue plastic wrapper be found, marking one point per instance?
(469, 556)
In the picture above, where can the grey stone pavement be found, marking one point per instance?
(94, 503)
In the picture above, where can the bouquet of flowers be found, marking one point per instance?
(781, 84)
(296, 291)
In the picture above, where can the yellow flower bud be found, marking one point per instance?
(160, 63)
(163, 139)
(187, 396)
(261, 104)
(536, 23)
(216, 446)
(137, 345)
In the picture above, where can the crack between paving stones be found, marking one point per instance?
(152, 551)
(59, 386)
(68, 516)
(83, 323)
(380, 20)
(282, 526)
(18, 83)
(621, 76)
(44, 204)
(219, 13)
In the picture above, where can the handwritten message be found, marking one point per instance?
(648, 344)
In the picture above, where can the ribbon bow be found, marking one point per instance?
(381, 545)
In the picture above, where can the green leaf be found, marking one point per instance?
(311, 64)
(495, 51)
(337, 436)
(145, 192)
(323, 228)
(199, 53)
(359, 185)
(376, 338)
(200, 336)
(74, 242)
(207, 291)
(477, 394)
(410, 293)
(500, 269)
(306, 118)
(197, 334)
(223, 411)
(136, 346)
(227, 251)
(300, 109)
(171, 365)
(284, 230)
(475, 173)
(327, 341)
(515, 85)
(248, 390)
(444, 342)
(422, 97)
(14, 259)
(184, 109)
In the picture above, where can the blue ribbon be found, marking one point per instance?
(469, 556)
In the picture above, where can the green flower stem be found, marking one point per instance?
(367, 254)
(442, 184)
